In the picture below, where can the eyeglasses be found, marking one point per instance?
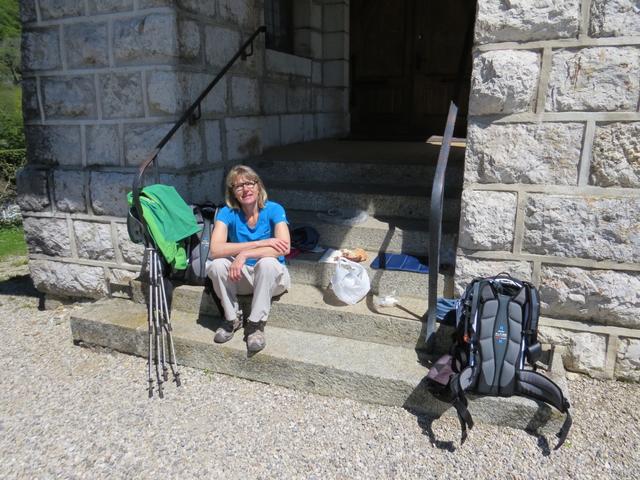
(240, 186)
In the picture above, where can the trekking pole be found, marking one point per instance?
(166, 325)
(159, 298)
(156, 322)
(150, 323)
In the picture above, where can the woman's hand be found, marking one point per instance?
(278, 244)
(235, 270)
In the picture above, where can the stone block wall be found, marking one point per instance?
(104, 81)
(552, 167)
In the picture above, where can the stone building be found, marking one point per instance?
(549, 96)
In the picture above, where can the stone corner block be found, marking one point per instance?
(69, 191)
(108, 193)
(132, 253)
(149, 38)
(41, 49)
(606, 297)
(500, 21)
(244, 137)
(598, 79)
(69, 97)
(245, 95)
(587, 353)
(616, 156)
(54, 144)
(86, 45)
(121, 95)
(468, 268)
(628, 360)
(33, 189)
(593, 228)
(49, 236)
(110, 6)
(68, 279)
(531, 153)
(488, 220)
(93, 240)
(504, 81)
(614, 18)
(55, 9)
(221, 45)
(104, 145)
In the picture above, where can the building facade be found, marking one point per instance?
(552, 164)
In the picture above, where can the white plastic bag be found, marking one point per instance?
(350, 282)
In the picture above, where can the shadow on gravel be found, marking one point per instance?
(20, 285)
(426, 424)
(543, 443)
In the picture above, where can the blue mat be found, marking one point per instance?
(399, 261)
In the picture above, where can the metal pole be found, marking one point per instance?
(435, 229)
(150, 323)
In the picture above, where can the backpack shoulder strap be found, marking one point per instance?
(538, 387)
(458, 385)
(209, 214)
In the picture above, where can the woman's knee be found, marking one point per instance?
(267, 265)
(218, 268)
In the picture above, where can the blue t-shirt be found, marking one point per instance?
(239, 231)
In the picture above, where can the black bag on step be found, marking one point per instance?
(496, 335)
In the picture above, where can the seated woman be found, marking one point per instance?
(248, 244)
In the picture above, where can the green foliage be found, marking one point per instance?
(9, 41)
(10, 70)
(11, 126)
(10, 162)
(9, 19)
(12, 159)
(12, 241)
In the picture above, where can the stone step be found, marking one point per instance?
(362, 152)
(408, 169)
(312, 309)
(305, 269)
(322, 364)
(376, 200)
(391, 234)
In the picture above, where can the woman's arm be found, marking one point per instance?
(270, 247)
(274, 247)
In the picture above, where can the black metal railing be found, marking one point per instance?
(192, 114)
(435, 227)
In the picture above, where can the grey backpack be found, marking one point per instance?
(496, 336)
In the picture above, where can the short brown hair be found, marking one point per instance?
(248, 173)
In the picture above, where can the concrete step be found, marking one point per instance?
(306, 270)
(302, 165)
(312, 309)
(322, 364)
(376, 200)
(391, 234)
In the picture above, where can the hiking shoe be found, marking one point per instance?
(255, 336)
(226, 331)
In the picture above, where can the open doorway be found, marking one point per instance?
(409, 59)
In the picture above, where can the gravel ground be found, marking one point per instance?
(73, 412)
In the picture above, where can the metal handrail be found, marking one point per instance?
(192, 114)
(435, 226)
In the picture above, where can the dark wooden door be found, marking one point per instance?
(408, 61)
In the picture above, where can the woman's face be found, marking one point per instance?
(245, 190)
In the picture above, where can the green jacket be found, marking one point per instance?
(170, 221)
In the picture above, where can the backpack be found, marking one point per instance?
(197, 245)
(496, 335)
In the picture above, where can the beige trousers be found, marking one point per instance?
(267, 278)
